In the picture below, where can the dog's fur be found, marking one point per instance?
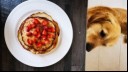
(104, 26)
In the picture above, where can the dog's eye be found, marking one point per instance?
(104, 44)
(102, 34)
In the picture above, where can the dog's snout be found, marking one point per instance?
(89, 47)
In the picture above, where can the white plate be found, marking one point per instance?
(19, 14)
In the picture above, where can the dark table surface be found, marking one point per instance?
(73, 61)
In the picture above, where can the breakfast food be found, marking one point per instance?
(39, 33)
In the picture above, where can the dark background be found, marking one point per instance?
(73, 61)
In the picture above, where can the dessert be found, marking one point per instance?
(39, 33)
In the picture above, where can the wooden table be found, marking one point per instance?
(73, 61)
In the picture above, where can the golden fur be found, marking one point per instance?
(104, 26)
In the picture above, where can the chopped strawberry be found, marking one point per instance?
(45, 27)
(53, 29)
(30, 42)
(38, 29)
(35, 33)
(39, 44)
(43, 43)
(29, 34)
(34, 40)
(44, 37)
(46, 41)
(44, 22)
(29, 28)
(33, 25)
(44, 32)
(38, 35)
(49, 30)
(51, 35)
(36, 21)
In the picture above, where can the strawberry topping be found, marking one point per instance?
(30, 42)
(36, 21)
(44, 22)
(44, 32)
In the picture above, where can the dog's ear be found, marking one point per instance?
(98, 17)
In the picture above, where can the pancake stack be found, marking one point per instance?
(39, 33)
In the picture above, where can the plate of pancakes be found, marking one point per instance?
(38, 33)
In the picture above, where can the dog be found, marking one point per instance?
(104, 26)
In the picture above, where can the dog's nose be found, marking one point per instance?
(89, 47)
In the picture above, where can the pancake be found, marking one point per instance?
(39, 33)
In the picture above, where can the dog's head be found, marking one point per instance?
(103, 29)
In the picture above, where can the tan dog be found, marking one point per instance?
(104, 26)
